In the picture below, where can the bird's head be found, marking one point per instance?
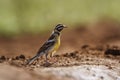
(59, 27)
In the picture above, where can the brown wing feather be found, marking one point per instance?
(47, 45)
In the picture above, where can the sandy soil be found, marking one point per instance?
(91, 50)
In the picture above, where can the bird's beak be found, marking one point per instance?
(64, 26)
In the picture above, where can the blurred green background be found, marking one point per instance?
(37, 16)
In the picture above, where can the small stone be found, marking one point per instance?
(3, 58)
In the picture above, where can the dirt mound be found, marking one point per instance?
(89, 55)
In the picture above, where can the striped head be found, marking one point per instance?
(59, 27)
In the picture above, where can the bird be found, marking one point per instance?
(50, 46)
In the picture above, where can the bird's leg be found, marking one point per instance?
(46, 58)
(52, 56)
(47, 63)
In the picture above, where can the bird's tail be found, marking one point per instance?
(32, 59)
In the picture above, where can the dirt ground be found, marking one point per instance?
(93, 44)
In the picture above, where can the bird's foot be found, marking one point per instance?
(47, 64)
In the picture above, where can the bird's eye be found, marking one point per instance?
(60, 28)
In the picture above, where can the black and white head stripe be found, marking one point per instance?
(59, 27)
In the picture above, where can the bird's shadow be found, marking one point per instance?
(48, 64)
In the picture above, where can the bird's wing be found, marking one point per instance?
(46, 46)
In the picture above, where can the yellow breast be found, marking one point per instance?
(57, 44)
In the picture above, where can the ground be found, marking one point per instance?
(91, 50)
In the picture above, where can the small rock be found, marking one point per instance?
(2, 58)
(114, 52)
(20, 57)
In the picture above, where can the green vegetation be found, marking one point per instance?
(18, 16)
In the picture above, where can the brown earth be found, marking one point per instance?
(95, 43)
